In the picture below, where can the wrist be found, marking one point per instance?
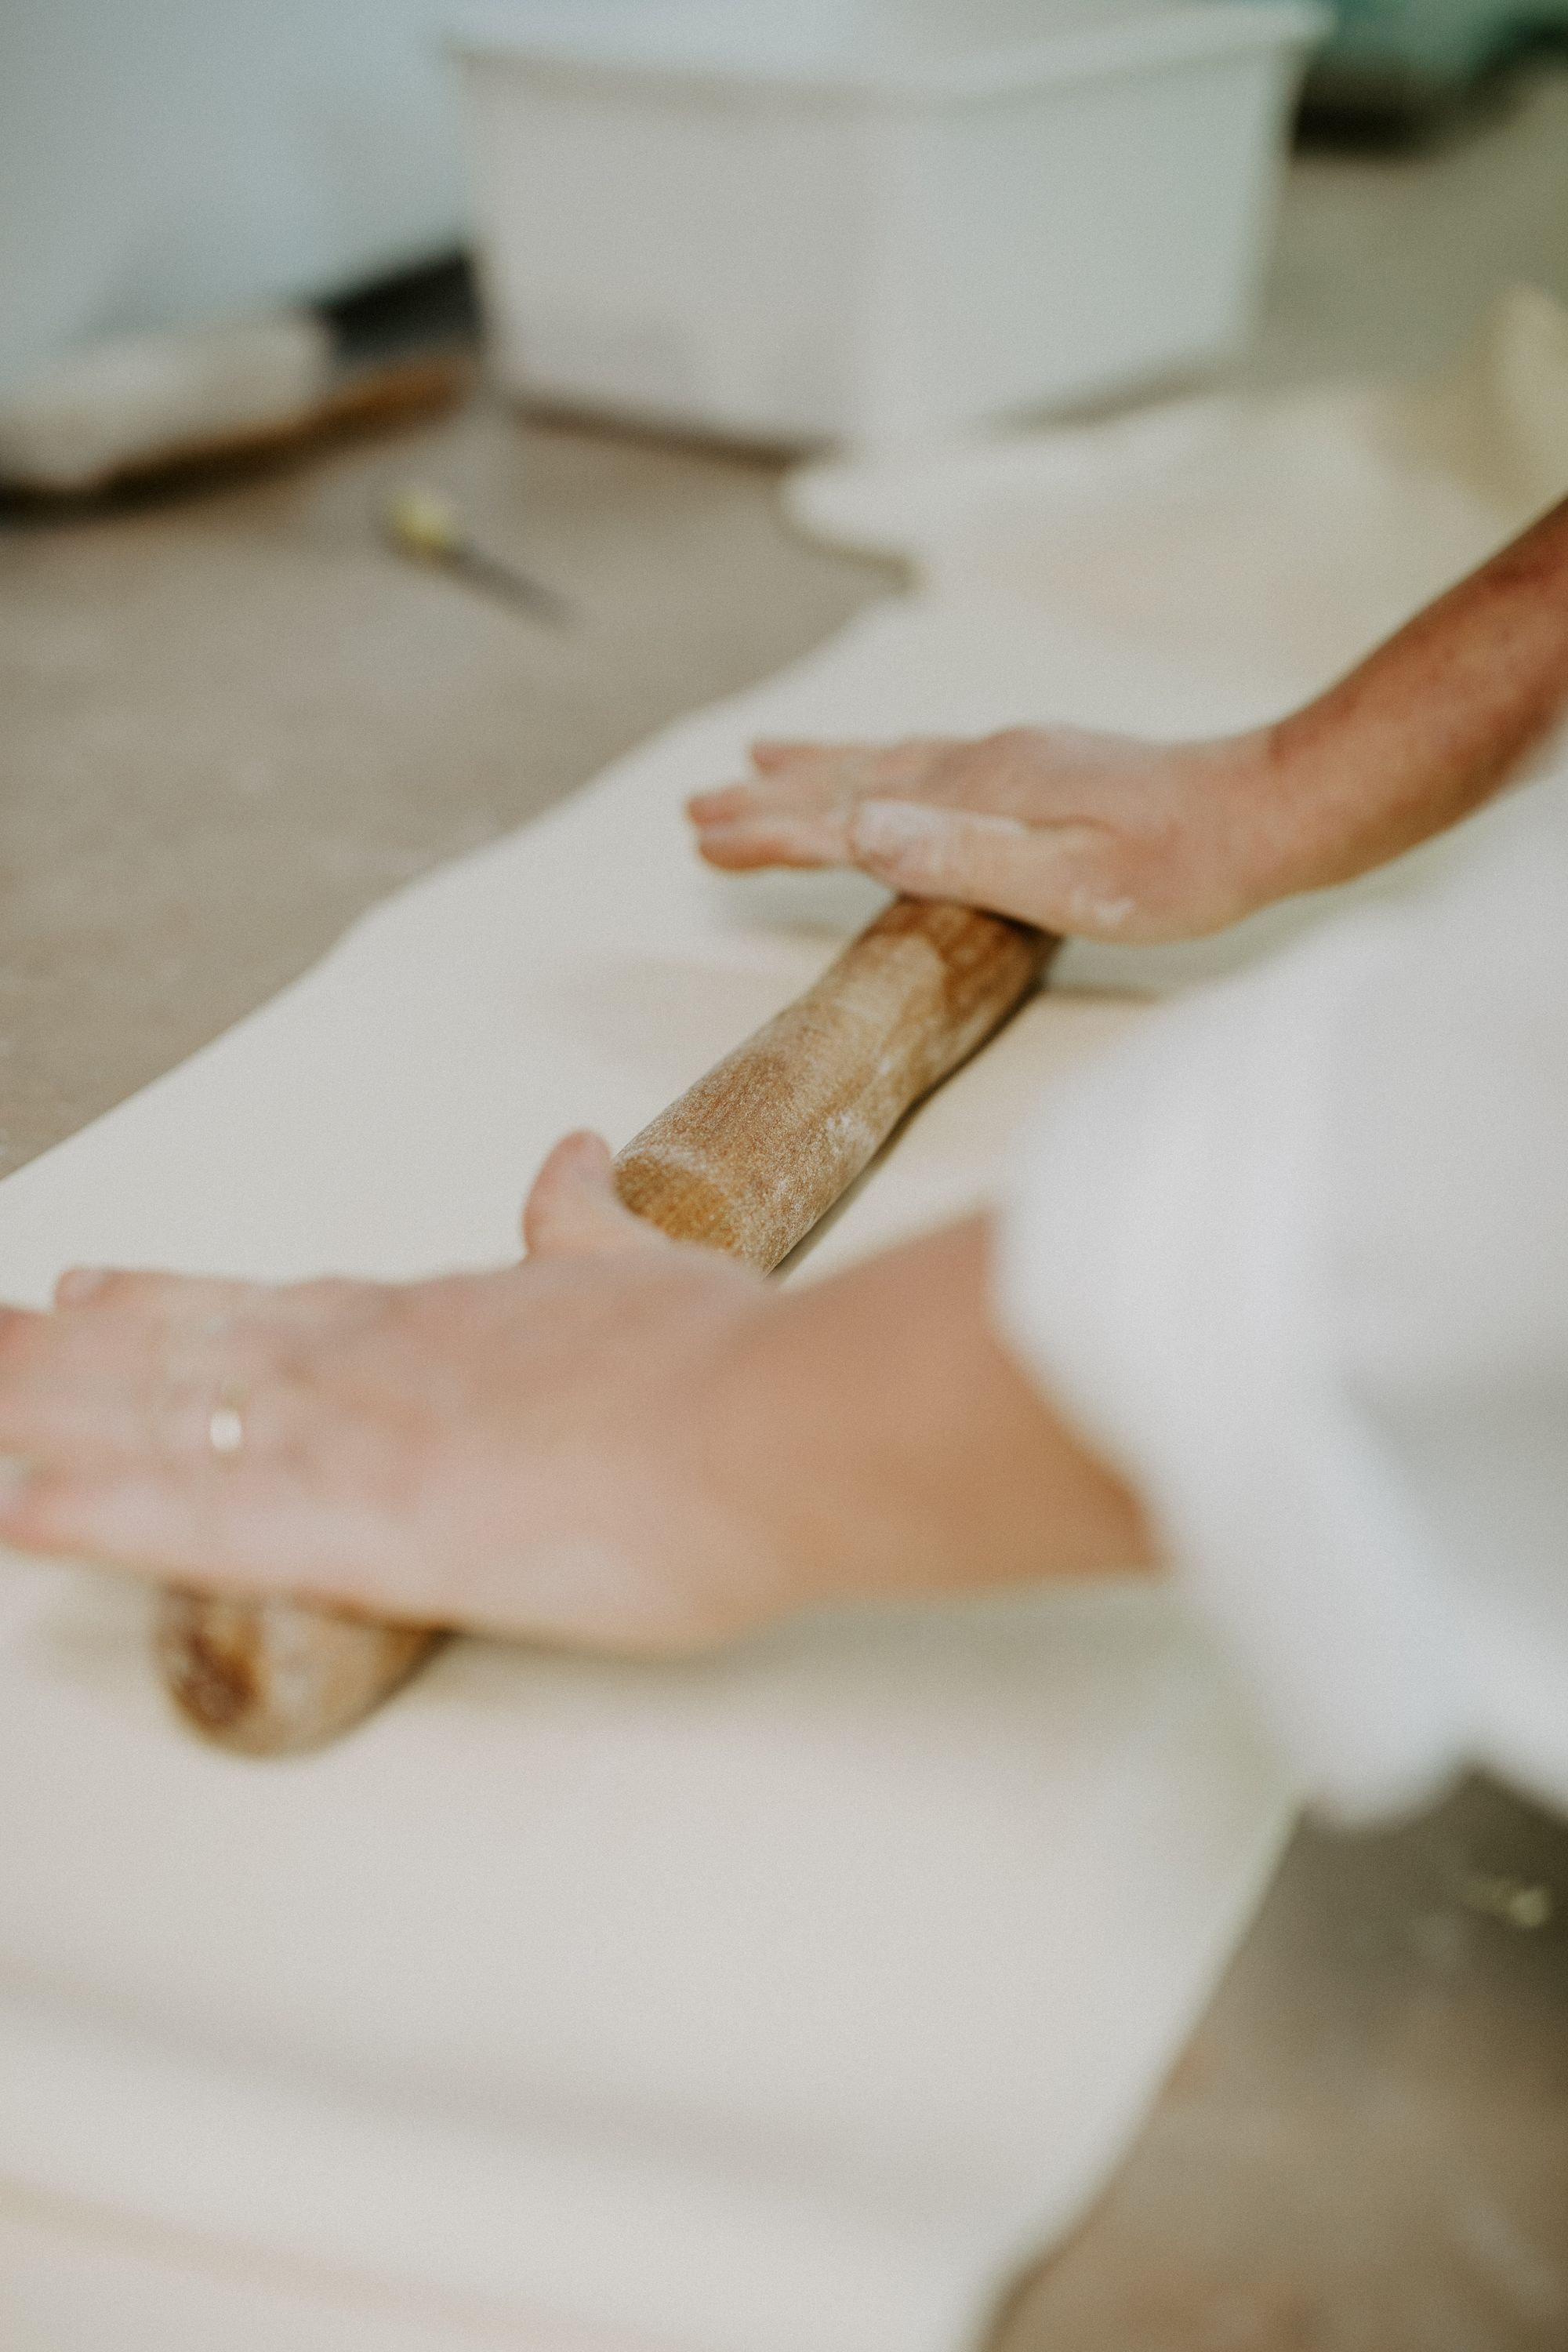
(872, 1438)
(1242, 830)
(1283, 791)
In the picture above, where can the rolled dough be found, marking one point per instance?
(782, 2003)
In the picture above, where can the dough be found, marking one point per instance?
(781, 2003)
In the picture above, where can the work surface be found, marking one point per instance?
(228, 725)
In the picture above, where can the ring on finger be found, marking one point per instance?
(225, 1424)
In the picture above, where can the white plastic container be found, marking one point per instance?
(870, 225)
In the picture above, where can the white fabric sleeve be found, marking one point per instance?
(1295, 1257)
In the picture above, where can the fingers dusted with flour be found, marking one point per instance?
(798, 810)
(1099, 837)
(1109, 836)
(999, 863)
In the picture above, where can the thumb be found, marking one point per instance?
(1037, 874)
(572, 1209)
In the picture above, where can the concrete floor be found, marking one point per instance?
(1365, 2148)
(230, 721)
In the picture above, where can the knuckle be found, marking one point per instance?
(332, 1308)
(331, 1293)
(411, 1461)
(123, 1289)
(270, 1417)
(1017, 745)
(1156, 828)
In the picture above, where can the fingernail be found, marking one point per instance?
(591, 1154)
(82, 1283)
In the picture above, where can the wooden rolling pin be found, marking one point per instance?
(747, 1161)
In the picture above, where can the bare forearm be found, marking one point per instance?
(896, 1448)
(1433, 723)
(1107, 836)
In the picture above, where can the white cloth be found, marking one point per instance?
(1398, 1592)
(1296, 1255)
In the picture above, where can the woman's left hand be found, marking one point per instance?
(529, 1450)
(1100, 836)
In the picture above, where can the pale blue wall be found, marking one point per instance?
(160, 158)
(163, 159)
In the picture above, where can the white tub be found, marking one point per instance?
(870, 225)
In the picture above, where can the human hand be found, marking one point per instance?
(527, 1451)
(1099, 837)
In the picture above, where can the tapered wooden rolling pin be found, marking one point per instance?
(747, 1161)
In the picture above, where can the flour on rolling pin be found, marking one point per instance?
(747, 1161)
(267, 1677)
(757, 1151)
